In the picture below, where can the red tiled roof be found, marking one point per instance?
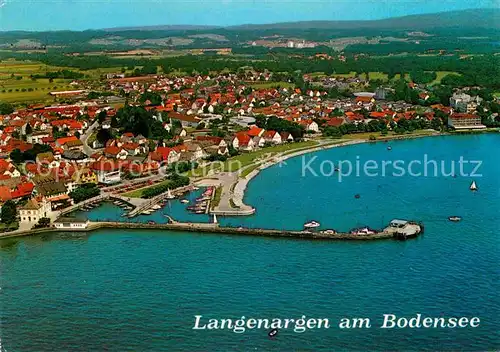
(255, 131)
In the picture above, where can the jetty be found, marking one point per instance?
(390, 232)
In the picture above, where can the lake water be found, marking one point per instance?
(140, 290)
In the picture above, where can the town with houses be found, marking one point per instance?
(50, 151)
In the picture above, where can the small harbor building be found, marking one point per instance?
(71, 223)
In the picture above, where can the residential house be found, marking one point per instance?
(310, 125)
(115, 152)
(272, 137)
(34, 210)
(286, 137)
(53, 191)
(37, 137)
(85, 175)
(8, 169)
(107, 171)
(242, 141)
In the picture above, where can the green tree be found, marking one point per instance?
(28, 129)
(9, 212)
(6, 108)
(17, 156)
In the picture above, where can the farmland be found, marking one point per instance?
(17, 85)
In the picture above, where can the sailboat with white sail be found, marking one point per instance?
(169, 194)
(473, 187)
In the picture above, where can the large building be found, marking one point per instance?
(465, 121)
(34, 210)
(462, 102)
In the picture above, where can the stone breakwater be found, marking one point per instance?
(207, 228)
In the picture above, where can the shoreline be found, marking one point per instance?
(242, 183)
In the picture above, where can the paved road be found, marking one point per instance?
(84, 138)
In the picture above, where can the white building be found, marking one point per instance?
(33, 211)
(70, 223)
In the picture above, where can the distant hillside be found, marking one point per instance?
(182, 27)
(476, 18)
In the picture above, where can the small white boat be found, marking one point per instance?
(455, 218)
(311, 224)
(273, 333)
(473, 186)
(147, 212)
(363, 231)
(156, 207)
(184, 201)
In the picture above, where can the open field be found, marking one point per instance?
(16, 85)
(266, 85)
(345, 75)
(24, 90)
(441, 75)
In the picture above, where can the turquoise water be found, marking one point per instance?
(140, 290)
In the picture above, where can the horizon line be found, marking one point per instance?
(210, 26)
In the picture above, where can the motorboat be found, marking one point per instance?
(357, 196)
(363, 231)
(454, 218)
(329, 232)
(184, 201)
(311, 224)
(273, 333)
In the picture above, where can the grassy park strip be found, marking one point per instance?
(238, 162)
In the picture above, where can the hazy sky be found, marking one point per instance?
(88, 14)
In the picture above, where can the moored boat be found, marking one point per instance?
(363, 231)
(311, 224)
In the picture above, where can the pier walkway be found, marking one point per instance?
(211, 228)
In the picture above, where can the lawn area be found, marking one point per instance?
(496, 94)
(218, 194)
(137, 193)
(265, 85)
(345, 75)
(366, 135)
(441, 74)
(9, 227)
(240, 161)
(378, 75)
(316, 74)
